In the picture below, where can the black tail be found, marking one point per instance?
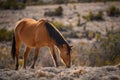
(13, 50)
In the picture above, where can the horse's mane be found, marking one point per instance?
(56, 35)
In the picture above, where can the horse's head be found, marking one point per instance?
(65, 54)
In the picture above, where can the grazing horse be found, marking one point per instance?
(36, 34)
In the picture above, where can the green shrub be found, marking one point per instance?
(90, 34)
(113, 11)
(91, 16)
(5, 57)
(78, 15)
(5, 35)
(106, 51)
(110, 46)
(60, 1)
(88, 16)
(11, 5)
(61, 26)
(99, 15)
(98, 36)
(57, 12)
(57, 24)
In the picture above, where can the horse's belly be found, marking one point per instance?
(28, 40)
(28, 43)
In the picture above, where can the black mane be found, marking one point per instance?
(56, 35)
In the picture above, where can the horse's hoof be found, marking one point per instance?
(32, 67)
(24, 68)
(67, 66)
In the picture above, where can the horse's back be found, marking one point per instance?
(26, 22)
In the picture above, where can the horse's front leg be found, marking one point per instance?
(35, 57)
(26, 56)
(54, 56)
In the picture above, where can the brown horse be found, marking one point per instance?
(36, 34)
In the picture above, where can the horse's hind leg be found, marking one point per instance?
(54, 56)
(26, 56)
(35, 57)
(17, 54)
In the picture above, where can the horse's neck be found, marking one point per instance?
(60, 46)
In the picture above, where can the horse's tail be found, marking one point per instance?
(13, 49)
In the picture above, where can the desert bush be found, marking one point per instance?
(60, 1)
(78, 15)
(74, 34)
(5, 35)
(57, 24)
(95, 57)
(90, 34)
(98, 36)
(91, 16)
(11, 5)
(88, 16)
(106, 51)
(61, 26)
(57, 12)
(99, 15)
(110, 46)
(113, 11)
(5, 58)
